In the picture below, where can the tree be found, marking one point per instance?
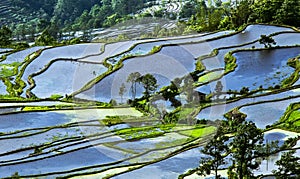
(264, 10)
(218, 89)
(45, 39)
(149, 83)
(188, 89)
(133, 79)
(248, 138)
(122, 91)
(289, 13)
(188, 9)
(267, 41)
(20, 32)
(5, 36)
(217, 150)
(244, 90)
(288, 166)
(241, 13)
(169, 93)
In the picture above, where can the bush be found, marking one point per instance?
(244, 90)
(113, 102)
(15, 175)
(75, 41)
(56, 96)
(21, 45)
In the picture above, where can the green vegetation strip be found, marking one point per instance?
(294, 63)
(210, 76)
(77, 106)
(199, 131)
(8, 70)
(132, 134)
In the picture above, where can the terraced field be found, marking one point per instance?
(173, 6)
(58, 118)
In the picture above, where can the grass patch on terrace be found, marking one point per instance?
(295, 115)
(155, 49)
(112, 146)
(64, 106)
(171, 143)
(294, 63)
(112, 120)
(186, 111)
(210, 77)
(199, 131)
(8, 70)
(37, 108)
(56, 97)
(115, 120)
(46, 108)
(291, 118)
(199, 66)
(230, 62)
(137, 133)
(8, 98)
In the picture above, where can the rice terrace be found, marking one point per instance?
(150, 89)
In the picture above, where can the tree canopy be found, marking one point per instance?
(5, 36)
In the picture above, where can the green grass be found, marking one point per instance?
(155, 49)
(112, 120)
(144, 132)
(230, 62)
(8, 98)
(8, 70)
(291, 118)
(294, 63)
(210, 76)
(36, 108)
(171, 143)
(199, 131)
(199, 66)
(47, 108)
(56, 96)
(185, 112)
(295, 115)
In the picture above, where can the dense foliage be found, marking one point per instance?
(27, 17)
(58, 16)
(233, 14)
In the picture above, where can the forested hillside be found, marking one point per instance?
(31, 16)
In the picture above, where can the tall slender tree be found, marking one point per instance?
(149, 83)
(122, 91)
(133, 79)
(216, 149)
(5, 36)
(244, 145)
(218, 89)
